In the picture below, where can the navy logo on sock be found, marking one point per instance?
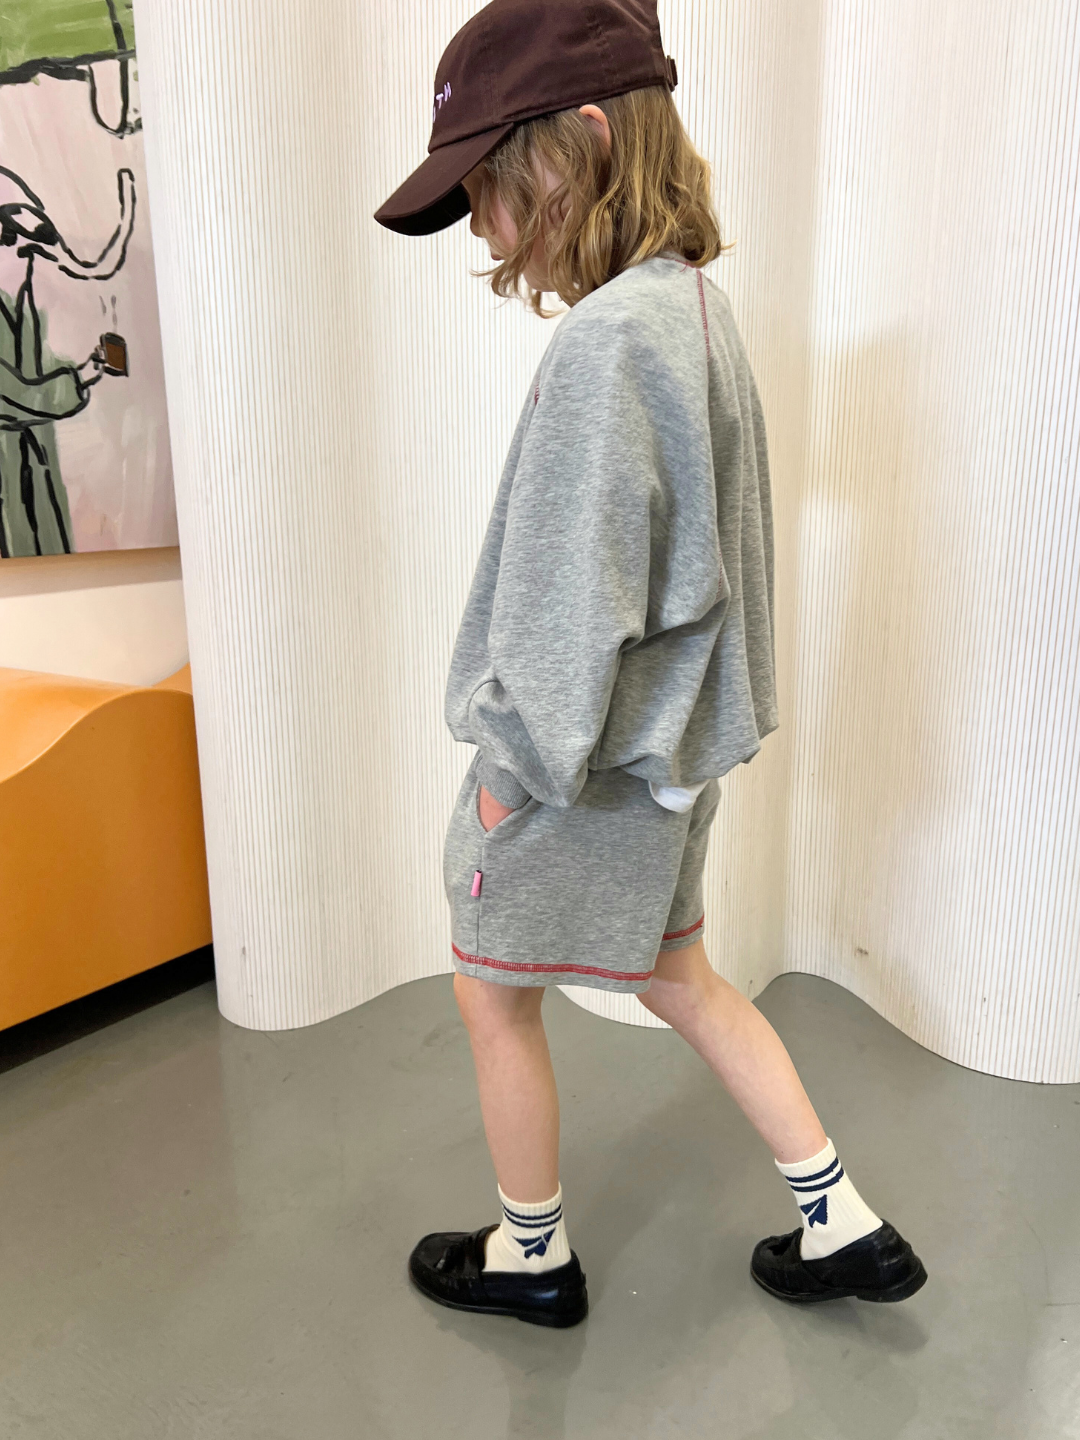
(535, 1244)
(817, 1212)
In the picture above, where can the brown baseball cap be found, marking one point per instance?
(514, 60)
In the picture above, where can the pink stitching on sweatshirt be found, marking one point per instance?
(704, 315)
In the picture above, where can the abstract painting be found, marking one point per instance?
(84, 442)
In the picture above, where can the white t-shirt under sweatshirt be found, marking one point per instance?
(621, 613)
(676, 797)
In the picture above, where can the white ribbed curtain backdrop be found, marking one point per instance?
(902, 182)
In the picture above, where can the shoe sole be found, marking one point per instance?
(530, 1317)
(900, 1291)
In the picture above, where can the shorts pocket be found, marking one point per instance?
(509, 824)
(579, 892)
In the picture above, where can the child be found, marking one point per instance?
(616, 652)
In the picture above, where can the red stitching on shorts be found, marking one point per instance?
(520, 968)
(704, 315)
(536, 394)
(677, 934)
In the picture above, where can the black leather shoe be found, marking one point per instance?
(449, 1268)
(881, 1266)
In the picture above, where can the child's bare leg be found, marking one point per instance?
(843, 1248)
(520, 1106)
(742, 1048)
(523, 1265)
(736, 1041)
(518, 1099)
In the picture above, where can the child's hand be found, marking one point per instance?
(491, 811)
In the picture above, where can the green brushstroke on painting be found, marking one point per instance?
(32, 492)
(34, 32)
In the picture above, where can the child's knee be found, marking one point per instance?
(676, 996)
(487, 1005)
(467, 995)
(649, 998)
(665, 1001)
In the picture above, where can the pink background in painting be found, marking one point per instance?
(114, 455)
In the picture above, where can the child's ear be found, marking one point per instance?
(596, 120)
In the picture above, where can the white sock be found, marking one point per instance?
(532, 1237)
(833, 1212)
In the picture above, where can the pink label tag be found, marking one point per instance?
(476, 882)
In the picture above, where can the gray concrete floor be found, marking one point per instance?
(204, 1233)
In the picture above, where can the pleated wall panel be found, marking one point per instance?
(342, 398)
(928, 567)
(933, 810)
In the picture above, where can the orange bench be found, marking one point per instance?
(102, 858)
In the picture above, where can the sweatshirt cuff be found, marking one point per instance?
(503, 785)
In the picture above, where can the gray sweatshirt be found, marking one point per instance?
(621, 613)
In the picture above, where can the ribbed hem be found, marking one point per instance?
(503, 785)
(684, 935)
(550, 1210)
(531, 1237)
(503, 972)
(805, 1170)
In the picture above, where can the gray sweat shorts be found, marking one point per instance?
(587, 895)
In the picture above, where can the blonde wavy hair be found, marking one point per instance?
(610, 210)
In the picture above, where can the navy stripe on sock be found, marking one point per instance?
(823, 1185)
(537, 1224)
(544, 1215)
(820, 1175)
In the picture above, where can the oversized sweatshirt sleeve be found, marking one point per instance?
(573, 581)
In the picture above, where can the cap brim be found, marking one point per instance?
(433, 196)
